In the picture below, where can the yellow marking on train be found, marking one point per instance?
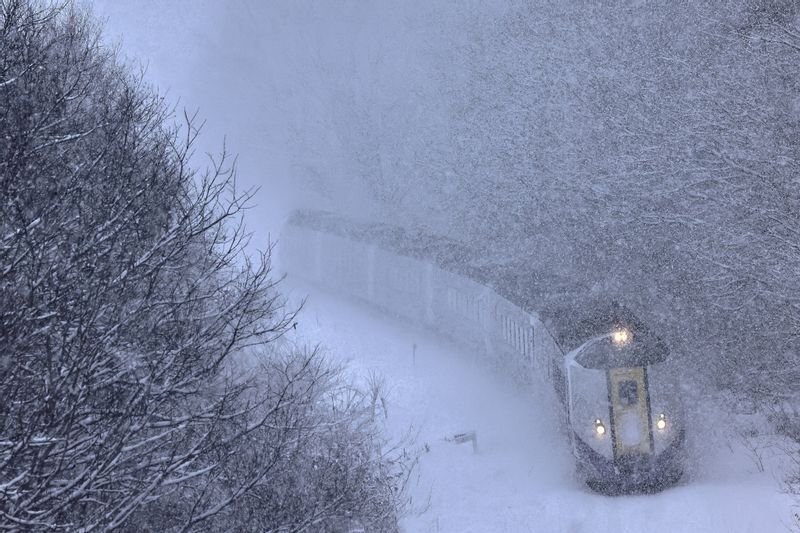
(629, 409)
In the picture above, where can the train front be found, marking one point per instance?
(625, 412)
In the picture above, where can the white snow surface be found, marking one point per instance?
(522, 477)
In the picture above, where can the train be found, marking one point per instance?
(621, 399)
(613, 384)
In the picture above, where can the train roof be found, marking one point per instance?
(603, 353)
(564, 305)
(596, 319)
(525, 288)
(413, 243)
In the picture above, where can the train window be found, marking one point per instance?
(628, 392)
(560, 383)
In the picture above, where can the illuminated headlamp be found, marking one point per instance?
(661, 422)
(621, 336)
(599, 428)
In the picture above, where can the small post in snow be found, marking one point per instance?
(468, 436)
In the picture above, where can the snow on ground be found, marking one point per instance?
(521, 479)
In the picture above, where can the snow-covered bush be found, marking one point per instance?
(125, 291)
(332, 468)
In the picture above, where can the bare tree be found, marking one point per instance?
(125, 291)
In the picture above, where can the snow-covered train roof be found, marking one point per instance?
(570, 314)
(576, 321)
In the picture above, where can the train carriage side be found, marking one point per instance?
(619, 403)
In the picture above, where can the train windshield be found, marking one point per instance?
(642, 350)
(628, 392)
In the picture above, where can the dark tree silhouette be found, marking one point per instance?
(129, 309)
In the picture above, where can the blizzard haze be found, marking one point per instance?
(639, 153)
(311, 96)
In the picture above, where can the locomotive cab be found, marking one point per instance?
(624, 412)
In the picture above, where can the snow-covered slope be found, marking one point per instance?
(522, 477)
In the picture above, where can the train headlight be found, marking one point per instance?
(621, 336)
(599, 428)
(661, 422)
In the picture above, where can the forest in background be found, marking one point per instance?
(648, 152)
